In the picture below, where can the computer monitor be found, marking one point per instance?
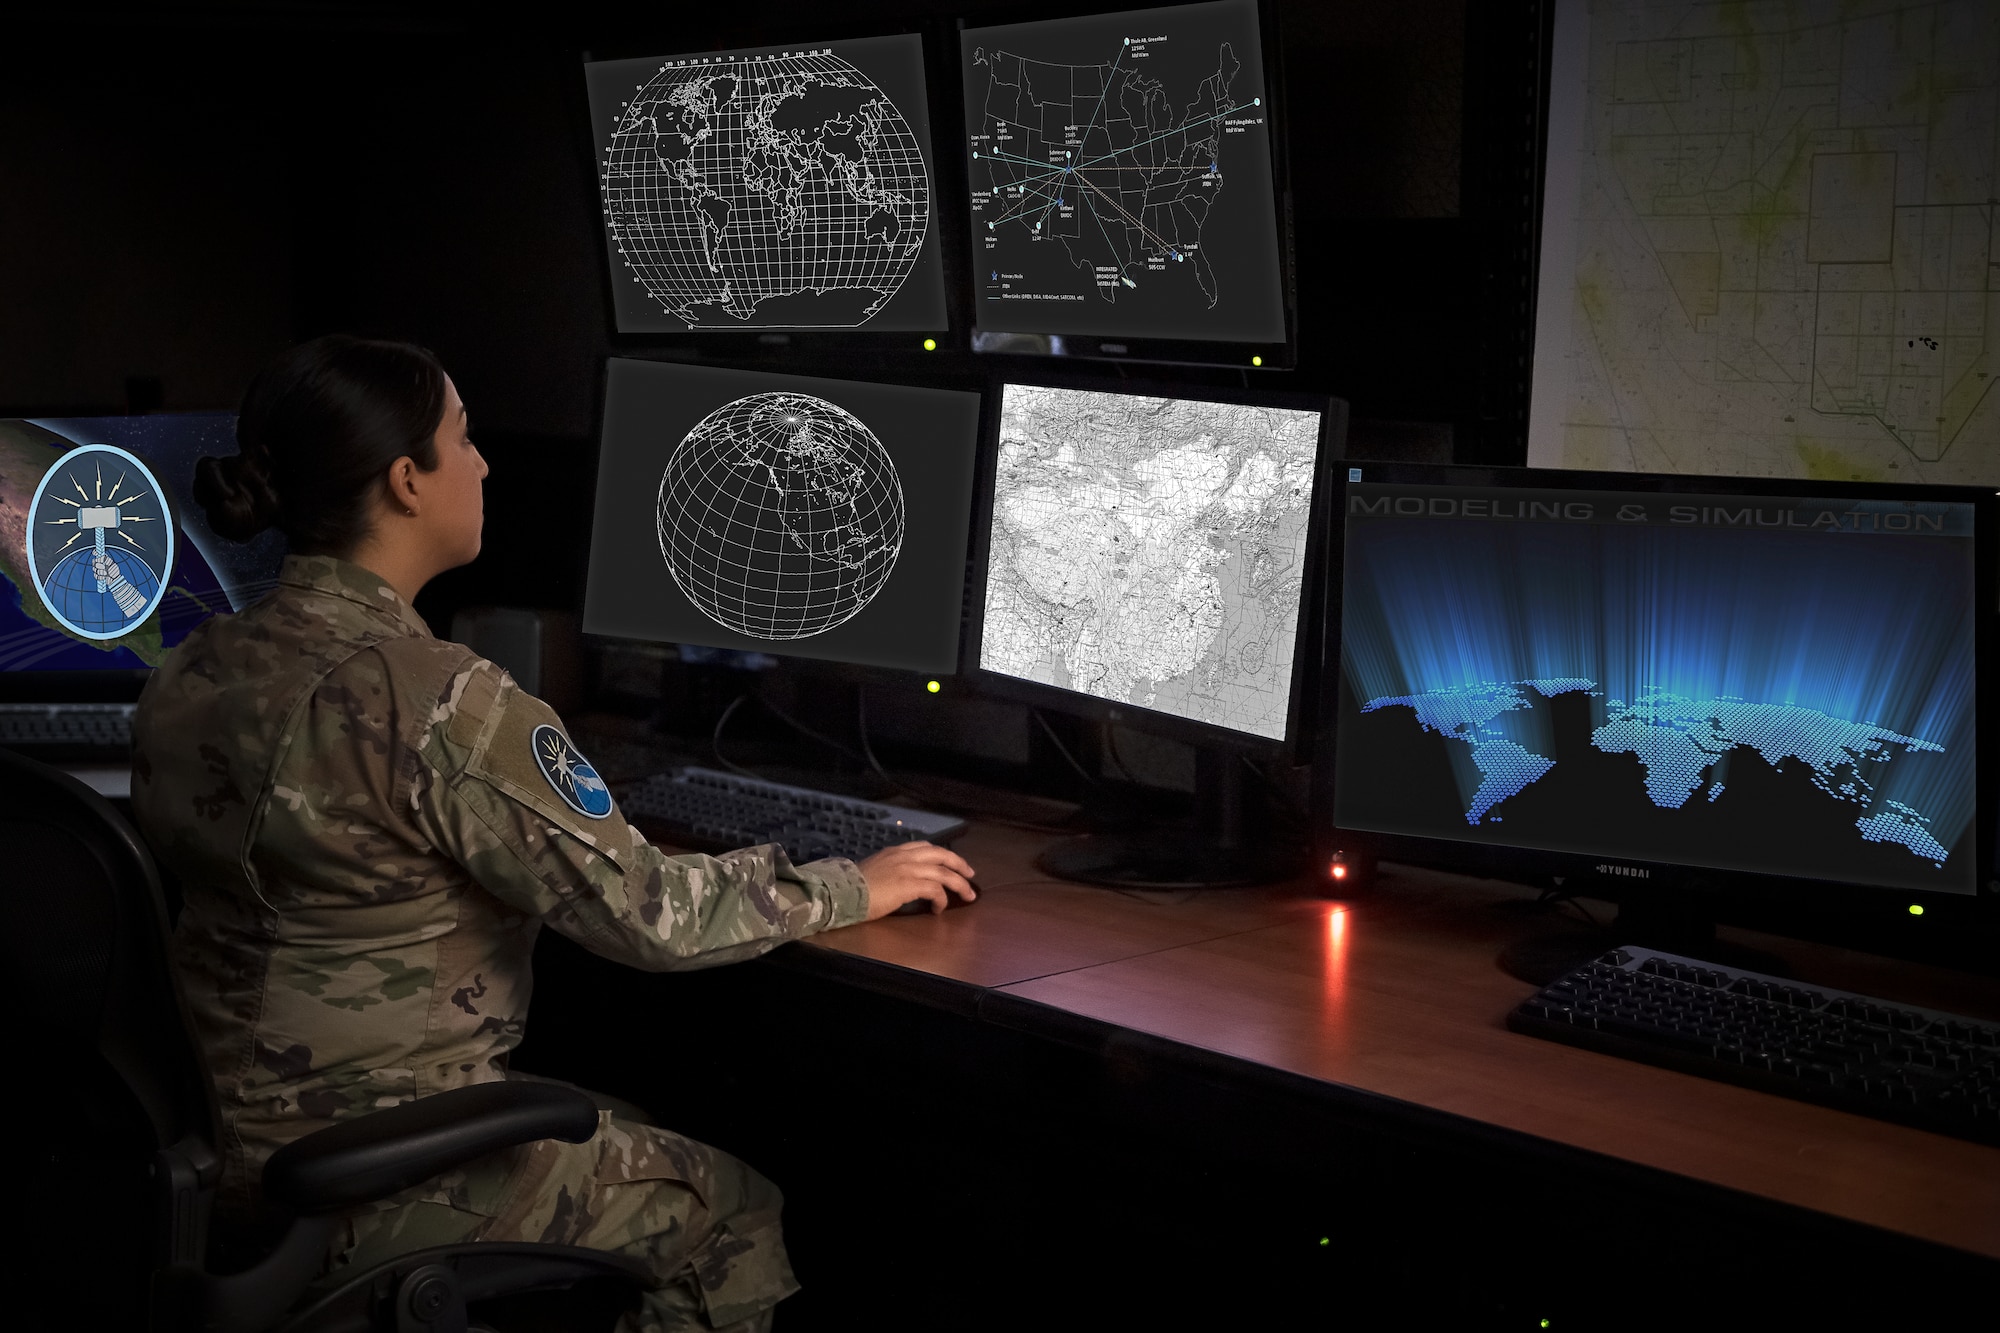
(1148, 558)
(1718, 691)
(109, 561)
(782, 188)
(782, 514)
(1126, 187)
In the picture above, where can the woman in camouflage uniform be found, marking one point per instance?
(372, 824)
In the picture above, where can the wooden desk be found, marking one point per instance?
(1399, 995)
(1026, 925)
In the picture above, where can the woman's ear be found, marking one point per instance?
(401, 482)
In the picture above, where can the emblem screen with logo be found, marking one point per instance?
(1773, 683)
(105, 560)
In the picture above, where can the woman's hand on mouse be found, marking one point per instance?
(910, 871)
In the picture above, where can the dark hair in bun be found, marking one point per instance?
(317, 430)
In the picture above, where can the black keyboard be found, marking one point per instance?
(1893, 1061)
(67, 730)
(709, 810)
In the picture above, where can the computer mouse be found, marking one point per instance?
(919, 907)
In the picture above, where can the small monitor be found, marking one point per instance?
(1125, 193)
(1679, 683)
(769, 188)
(110, 561)
(1148, 556)
(776, 513)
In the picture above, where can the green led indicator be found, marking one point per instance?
(1326, 1240)
(930, 344)
(1916, 909)
(932, 686)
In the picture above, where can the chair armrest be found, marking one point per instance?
(373, 1156)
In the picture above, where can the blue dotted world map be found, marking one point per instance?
(1679, 742)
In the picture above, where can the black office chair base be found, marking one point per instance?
(428, 1291)
(1167, 860)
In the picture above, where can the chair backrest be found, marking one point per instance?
(83, 941)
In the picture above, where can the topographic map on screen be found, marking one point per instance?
(1151, 551)
(1769, 241)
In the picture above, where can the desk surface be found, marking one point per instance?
(1399, 995)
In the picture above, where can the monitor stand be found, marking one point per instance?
(1671, 923)
(1215, 849)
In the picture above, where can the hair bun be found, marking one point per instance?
(237, 494)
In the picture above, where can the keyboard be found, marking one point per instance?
(710, 810)
(1936, 1071)
(69, 730)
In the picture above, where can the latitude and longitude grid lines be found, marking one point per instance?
(738, 450)
(1026, 182)
(812, 259)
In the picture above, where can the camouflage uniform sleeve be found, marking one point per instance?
(487, 801)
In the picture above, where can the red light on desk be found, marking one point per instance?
(1348, 873)
(1333, 979)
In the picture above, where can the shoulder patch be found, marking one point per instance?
(569, 773)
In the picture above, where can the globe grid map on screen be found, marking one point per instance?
(1121, 175)
(1151, 551)
(1775, 684)
(781, 189)
(780, 515)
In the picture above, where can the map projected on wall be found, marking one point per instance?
(1769, 241)
(1120, 171)
(1774, 684)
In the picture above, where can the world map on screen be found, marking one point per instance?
(1679, 741)
(730, 183)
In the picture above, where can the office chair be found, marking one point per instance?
(123, 1124)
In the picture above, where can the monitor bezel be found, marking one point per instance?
(750, 345)
(953, 377)
(1296, 744)
(1010, 348)
(1790, 904)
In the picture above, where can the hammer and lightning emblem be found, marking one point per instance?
(102, 495)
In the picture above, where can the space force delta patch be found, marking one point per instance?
(581, 789)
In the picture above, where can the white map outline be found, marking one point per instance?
(1035, 193)
(1151, 551)
(812, 574)
(813, 210)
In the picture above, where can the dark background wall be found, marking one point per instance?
(189, 187)
(185, 189)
